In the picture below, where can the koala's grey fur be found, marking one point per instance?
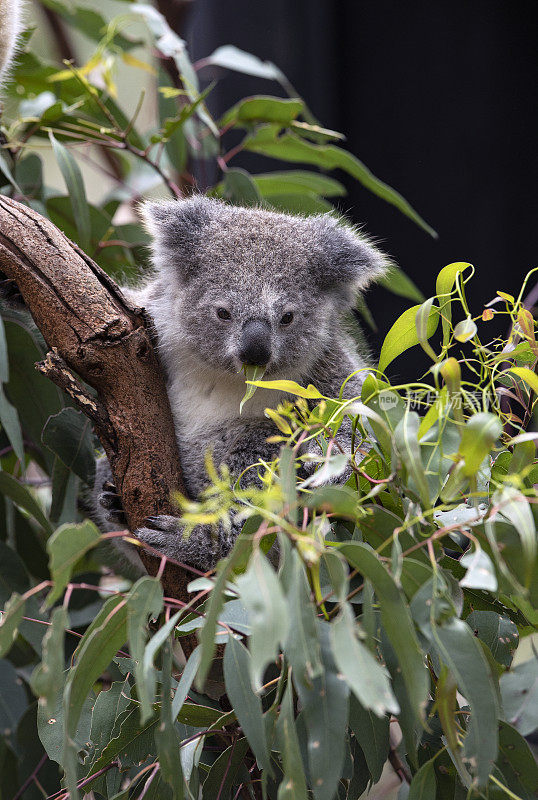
(258, 265)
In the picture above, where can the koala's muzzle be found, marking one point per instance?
(255, 343)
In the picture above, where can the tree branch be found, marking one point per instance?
(92, 331)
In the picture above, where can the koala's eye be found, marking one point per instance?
(223, 313)
(287, 318)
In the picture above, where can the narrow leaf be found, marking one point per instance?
(293, 786)
(10, 619)
(75, 189)
(396, 620)
(262, 595)
(144, 600)
(460, 651)
(245, 703)
(403, 334)
(365, 676)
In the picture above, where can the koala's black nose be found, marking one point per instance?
(255, 344)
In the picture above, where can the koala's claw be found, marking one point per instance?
(110, 500)
(163, 522)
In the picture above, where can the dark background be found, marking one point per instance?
(437, 98)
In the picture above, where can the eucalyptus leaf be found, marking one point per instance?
(247, 706)
(403, 334)
(263, 597)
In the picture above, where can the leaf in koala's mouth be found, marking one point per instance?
(251, 374)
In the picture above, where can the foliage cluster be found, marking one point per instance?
(389, 625)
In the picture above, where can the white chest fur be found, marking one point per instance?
(207, 399)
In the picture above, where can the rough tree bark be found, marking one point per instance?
(92, 331)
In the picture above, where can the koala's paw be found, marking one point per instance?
(110, 501)
(165, 534)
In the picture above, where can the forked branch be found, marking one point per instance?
(97, 339)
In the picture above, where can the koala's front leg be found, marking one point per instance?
(201, 549)
(240, 445)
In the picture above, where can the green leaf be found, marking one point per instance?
(108, 707)
(66, 547)
(519, 692)
(422, 319)
(372, 733)
(10, 619)
(9, 419)
(144, 600)
(251, 375)
(96, 650)
(403, 334)
(34, 396)
(290, 147)
(390, 407)
(445, 283)
(22, 497)
(166, 735)
(325, 712)
(245, 703)
(365, 676)
(424, 785)
(51, 726)
(263, 108)
(516, 764)
(186, 681)
(397, 282)
(240, 189)
(477, 438)
(223, 772)
(437, 448)
(295, 389)
(307, 203)
(147, 685)
(293, 787)
(527, 375)
(231, 57)
(68, 435)
(48, 677)
(515, 508)
(465, 330)
(407, 718)
(198, 716)
(130, 743)
(297, 182)
(498, 632)
(396, 620)
(302, 646)
(480, 571)
(75, 189)
(288, 482)
(216, 602)
(406, 443)
(4, 167)
(460, 651)
(336, 499)
(262, 595)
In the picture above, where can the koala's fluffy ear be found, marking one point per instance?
(176, 227)
(349, 259)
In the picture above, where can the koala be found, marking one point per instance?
(233, 286)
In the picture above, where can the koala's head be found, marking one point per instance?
(250, 286)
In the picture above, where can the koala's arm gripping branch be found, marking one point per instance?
(92, 330)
